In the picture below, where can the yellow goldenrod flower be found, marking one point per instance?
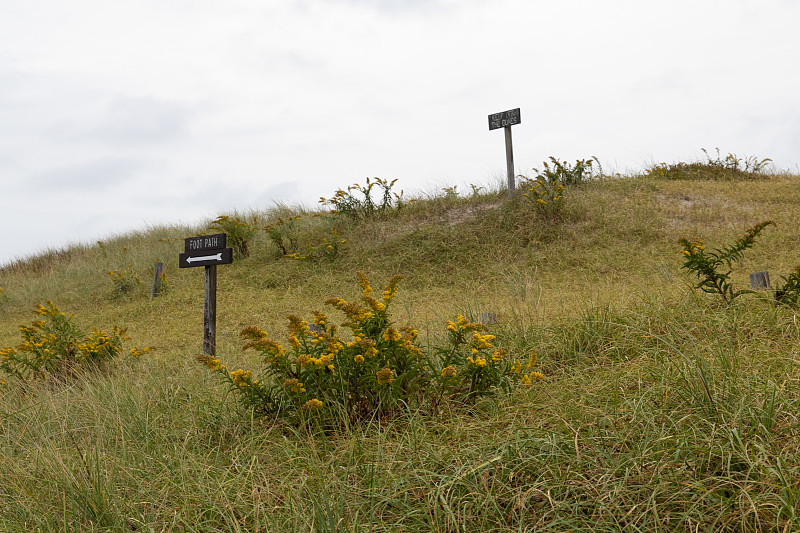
(211, 362)
(312, 404)
(391, 335)
(449, 372)
(364, 283)
(240, 378)
(359, 358)
(385, 376)
(531, 360)
(294, 386)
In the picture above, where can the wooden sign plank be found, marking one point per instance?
(202, 243)
(211, 257)
(505, 119)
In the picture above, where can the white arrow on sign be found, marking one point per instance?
(217, 257)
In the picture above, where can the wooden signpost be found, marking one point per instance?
(207, 251)
(505, 120)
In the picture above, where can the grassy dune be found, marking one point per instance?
(661, 409)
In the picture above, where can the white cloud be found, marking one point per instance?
(183, 109)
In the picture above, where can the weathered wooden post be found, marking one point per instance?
(759, 281)
(159, 270)
(208, 251)
(505, 120)
(488, 319)
(210, 311)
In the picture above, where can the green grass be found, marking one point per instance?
(661, 410)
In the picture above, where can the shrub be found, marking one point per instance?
(124, 281)
(564, 173)
(287, 234)
(545, 192)
(545, 197)
(357, 202)
(327, 248)
(729, 168)
(54, 345)
(282, 234)
(706, 265)
(375, 370)
(239, 233)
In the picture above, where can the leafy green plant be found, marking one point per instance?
(357, 201)
(282, 234)
(55, 345)
(239, 231)
(124, 281)
(788, 293)
(545, 192)
(450, 193)
(327, 248)
(564, 173)
(545, 197)
(707, 266)
(374, 371)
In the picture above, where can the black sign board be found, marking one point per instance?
(205, 242)
(504, 119)
(216, 256)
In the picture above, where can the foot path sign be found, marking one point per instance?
(207, 251)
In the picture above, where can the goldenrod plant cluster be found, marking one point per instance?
(54, 345)
(328, 248)
(546, 198)
(239, 233)
(563, 172)
(545, 191)
(357, 201)
(373, 370)
(124, 280)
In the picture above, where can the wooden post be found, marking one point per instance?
(159, 269)
(759, 281)
(510, 163)
(210, 312)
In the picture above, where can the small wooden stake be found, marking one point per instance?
(210, 312)
(159, 269)
(759, 281)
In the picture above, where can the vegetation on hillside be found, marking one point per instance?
(665, 396)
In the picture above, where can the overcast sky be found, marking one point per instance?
(115, 116)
